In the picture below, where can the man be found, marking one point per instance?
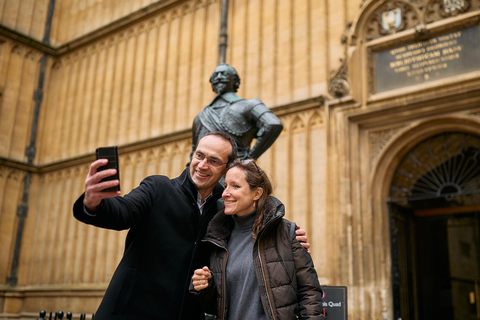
(167, 219)
(245, 120)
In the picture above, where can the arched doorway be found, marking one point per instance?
(435, 229)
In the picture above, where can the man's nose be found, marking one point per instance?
(203, 163)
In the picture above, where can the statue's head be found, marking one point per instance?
(224, 79)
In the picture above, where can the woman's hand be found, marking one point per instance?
(200, 278)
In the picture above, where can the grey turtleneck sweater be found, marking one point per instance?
(242, 287)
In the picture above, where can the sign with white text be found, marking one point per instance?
(335, 302)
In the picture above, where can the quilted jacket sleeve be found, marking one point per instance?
(309, 290)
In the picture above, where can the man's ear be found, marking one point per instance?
(258, 193)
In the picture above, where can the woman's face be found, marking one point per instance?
(238, 196)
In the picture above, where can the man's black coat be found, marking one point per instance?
(162, 248)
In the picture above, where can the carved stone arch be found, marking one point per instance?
(120, 37)
(187, 8)
(143, 27)
(67, 59)
(174, 14)
(111, 41)
(316, 119)
(101, 45)
(77, 55)
(14, 174)
(177, 149)
(187, 145)
(92, 49)
(141, 156)
(57, 64)
(443, 169)
(33, 56)
(152, 23)
(3, 172)
(18, 50)
(128, 159)
(67, 173)
(82, 54)
(78, 171)
(164, 18)
(41, 180)
(398, 147)
(133, 31)
(200, 4)
(297, 124)
(151, 155)
(49, 178)
(381, 180)
(58, 176)
(163, 153)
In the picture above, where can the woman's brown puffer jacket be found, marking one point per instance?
(288, 282)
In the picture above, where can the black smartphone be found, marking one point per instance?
(111, 154)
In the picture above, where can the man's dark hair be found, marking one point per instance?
(233, 155)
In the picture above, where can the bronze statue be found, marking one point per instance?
(244, 120)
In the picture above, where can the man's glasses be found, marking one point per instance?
(210, 161)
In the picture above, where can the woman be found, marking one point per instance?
(258, 269)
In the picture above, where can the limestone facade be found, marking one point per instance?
(135, 74)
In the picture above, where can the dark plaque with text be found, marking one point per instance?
(335, 302)
(439, 57)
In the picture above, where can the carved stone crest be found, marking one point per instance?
(392, 19)
(451, 6)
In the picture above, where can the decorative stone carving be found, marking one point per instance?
(391, 17)
(399, 15)
(378, 140)
(339, 86)
(441, 9)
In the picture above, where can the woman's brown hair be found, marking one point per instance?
(256, 178)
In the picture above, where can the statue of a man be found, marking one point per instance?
(244, 120)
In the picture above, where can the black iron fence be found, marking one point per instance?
(60, 315)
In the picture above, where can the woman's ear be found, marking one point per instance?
(258, 193)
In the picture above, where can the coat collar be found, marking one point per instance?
(221, 225)
(189, 186)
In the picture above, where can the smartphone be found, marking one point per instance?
(111, 154)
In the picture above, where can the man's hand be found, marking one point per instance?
(93, 186)
(302, 238)
(200, 278)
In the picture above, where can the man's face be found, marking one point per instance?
(222, 80)
(204, 175)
